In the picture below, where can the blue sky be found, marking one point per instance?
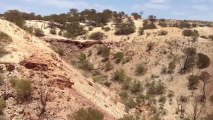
(175, 9)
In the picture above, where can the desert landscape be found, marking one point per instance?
(89, 65)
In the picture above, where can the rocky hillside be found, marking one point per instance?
(57, 88)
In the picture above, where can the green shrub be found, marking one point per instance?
(193, 82)
(97, 36)
(210, 37)
(162, 32)
(119, 75)
(23, 89)
(53, 31)
(87, 114)
(128, 117)
(39, 33)
(140, 69)
(104, 51)
(2, 105)
(118, 57)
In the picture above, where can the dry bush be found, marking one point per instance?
(118, 57)
(141, 69)
(162, 33)
(140, 31)
(39, 33)
(203, 61)
(2, 105)
(104, 51)
(106, 29)
(53, 31)
(119, 75)
(193, 82)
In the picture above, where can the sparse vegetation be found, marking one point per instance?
(86, 114)
(140, 31)
(147, 25)
(4, 40)
(190, 33)
(83, 63)
(128, 117)
(97, 36)
(155, 88)
(74, 29)
(108, 66)
(60, 51)
(15, 16)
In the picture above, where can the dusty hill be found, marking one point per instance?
(67, 90)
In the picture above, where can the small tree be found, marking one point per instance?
(152, 18)
(15, 16)
(87, 114)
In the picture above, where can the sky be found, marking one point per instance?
(170, 9)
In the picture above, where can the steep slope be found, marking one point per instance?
(68, 90)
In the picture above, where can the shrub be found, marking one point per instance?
(128, 117)
(108, 66)
(162, 99)
(53, 31)
(104, 51)
(101, 79)
(28, 29)
(162, 24)
(124, 95)
(130, 103)
(184, 24)
(136, 87)
(190, 57)
(203, 61)
(119, 75)
(125, 28)
(4, 38)
(193, 82)
(190, 33)
(118, 57)
(140, 69)
(150, 46)
(87, 114)
(90, 28)
(39, 33)
(60, 51)
(210, 37)
(15, 16)
(2, 105)
(183, 99)
(140, 31)
(147, 25)
(83, 63)
(106, 29)
(23, 89)
(156, 88)
(74, 29)
(127, 83)
(162, 32)
(211, 99)
(204, 37)
(97, 36)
